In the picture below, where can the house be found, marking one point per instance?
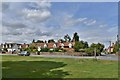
(68, 46)
(52, 45)
(111, 48)
(24, 45)
(10, 47)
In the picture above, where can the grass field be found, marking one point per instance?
(37, 67)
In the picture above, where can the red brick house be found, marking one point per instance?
(65, 45)
(24, 45)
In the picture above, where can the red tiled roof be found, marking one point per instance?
(66, 43)
(40, 44)
(24, 45)
(58, 44)
(51, 45)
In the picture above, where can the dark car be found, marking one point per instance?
(24, 53)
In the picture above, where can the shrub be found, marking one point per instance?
(44, 49)
(56, 50)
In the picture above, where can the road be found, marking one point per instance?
(106, 57)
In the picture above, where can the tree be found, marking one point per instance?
(33, 41)
(116, 47)
(75, 37)
(61, 40)
(89, 51)
(86, 45)
(99, 48)
(31, 48)
(77, 46)
(51, 40)
(67, 38)
(39, 41)
(80, 46)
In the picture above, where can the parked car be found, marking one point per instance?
(103, 54)
(24, 53)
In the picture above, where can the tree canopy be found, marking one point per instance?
(51, 40)
(75, 37)
(67, 38)
(39, 41)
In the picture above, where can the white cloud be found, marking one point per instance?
(44, 4)
(102, 25)
(72, 22)
(90, 22)
(25, 23)
(37, 15)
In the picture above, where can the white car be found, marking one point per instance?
(24, 53)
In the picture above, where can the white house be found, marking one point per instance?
(10, 47)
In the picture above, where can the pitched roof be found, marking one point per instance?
(51, 45)
(24, 45)
(40, 44)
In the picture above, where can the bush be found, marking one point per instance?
(44, 49)
(64, 50)
(56, 50)
(51, 50)
(89, 51)
(60, 50)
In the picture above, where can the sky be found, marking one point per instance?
(93, 21)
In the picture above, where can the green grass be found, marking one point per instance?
(38, 67)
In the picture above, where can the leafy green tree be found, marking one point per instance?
(86, 45)
(33, 41)
(89, 51)
(51, 40)
(30, 49)
(116, 47)
(80, 45)
(75, 37)
(67, 38)
(77, 46)
(61, 40)
(39, 41)
(99, 48)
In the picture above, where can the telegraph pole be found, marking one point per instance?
(95, 53)
(110, 46)
(118, 42)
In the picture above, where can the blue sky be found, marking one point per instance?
(93, 21)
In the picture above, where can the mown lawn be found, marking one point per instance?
(38, 67)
